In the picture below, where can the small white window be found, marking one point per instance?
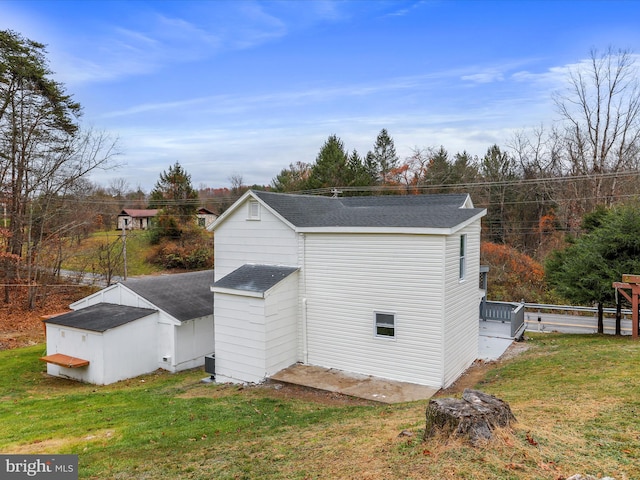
(254, 210)
(463, 252)
(385, 325)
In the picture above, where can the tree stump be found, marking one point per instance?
(475, 416)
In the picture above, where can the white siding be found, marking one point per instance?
(461, 304)
(122, 352)
(256, 337)
(240, 338)
(349, 277)
(239, 241)
(116, 294)
(129, 350)
(194, 340)
(281, 323)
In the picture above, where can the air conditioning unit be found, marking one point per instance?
(210, 365)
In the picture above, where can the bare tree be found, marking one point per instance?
(601, 114)
(43, 150)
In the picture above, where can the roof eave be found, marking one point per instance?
(395, 230)
(234, 291)
(237, 205)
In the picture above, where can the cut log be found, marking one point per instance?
(474, 417)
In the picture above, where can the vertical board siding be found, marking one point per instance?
(461, 304)
(349, 277)
(239, 241)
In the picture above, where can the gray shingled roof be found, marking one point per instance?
(184, 296)
(409, 211)
(255, 278)
(101, 317)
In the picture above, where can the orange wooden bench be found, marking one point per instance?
(65, 360)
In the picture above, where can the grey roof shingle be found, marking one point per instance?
(255, 278)
(101, 317)
(184, 296)
(408, 211)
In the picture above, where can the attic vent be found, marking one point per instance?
(254, 210)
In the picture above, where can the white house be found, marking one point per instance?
(383, 285)
(132, 328)
(136, 219)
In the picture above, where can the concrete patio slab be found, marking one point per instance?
(493, 341)
(361, 386)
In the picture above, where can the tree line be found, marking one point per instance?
(538, 188)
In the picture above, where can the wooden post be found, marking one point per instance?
(618, 314)
(630, 282)
(634, 316)
(600, 320)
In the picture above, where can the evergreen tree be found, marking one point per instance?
(330, 167)
(385, 158)
(358, 175)
(174, 194)
(585, 270)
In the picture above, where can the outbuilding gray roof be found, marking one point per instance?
(410, 211)
(255, 278)
(184, 296)
(101, 317)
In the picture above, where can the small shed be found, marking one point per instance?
(99, 341)
(136, 219)
(134, 327)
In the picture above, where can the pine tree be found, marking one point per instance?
(175, 195)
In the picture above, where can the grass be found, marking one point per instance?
(576, 398)
(84, 256)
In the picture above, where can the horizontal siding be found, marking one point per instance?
(249, 345)
(281, 333)
(348, 277)
(239, 339)
(461, 306)
(266, 241)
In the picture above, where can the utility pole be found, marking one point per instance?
(124, 247)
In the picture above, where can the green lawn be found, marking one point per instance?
(576, 398)
(83, 257)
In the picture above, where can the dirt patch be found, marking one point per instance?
(477, 372)
(273, 389)
(56, 444)
(21, 327)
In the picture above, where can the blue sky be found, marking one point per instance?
(246, 87)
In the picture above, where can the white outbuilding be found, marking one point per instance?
(385, 286)
(132, 328)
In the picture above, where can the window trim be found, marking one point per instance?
(377, 324)
(251, 206)
(462, 268)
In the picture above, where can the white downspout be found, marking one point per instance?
(305, 353)
(303, 263)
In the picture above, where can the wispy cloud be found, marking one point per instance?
(488, 76)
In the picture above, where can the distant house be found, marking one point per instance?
(205, 217)
(385, 286)
(132, 328)
(136, 219)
